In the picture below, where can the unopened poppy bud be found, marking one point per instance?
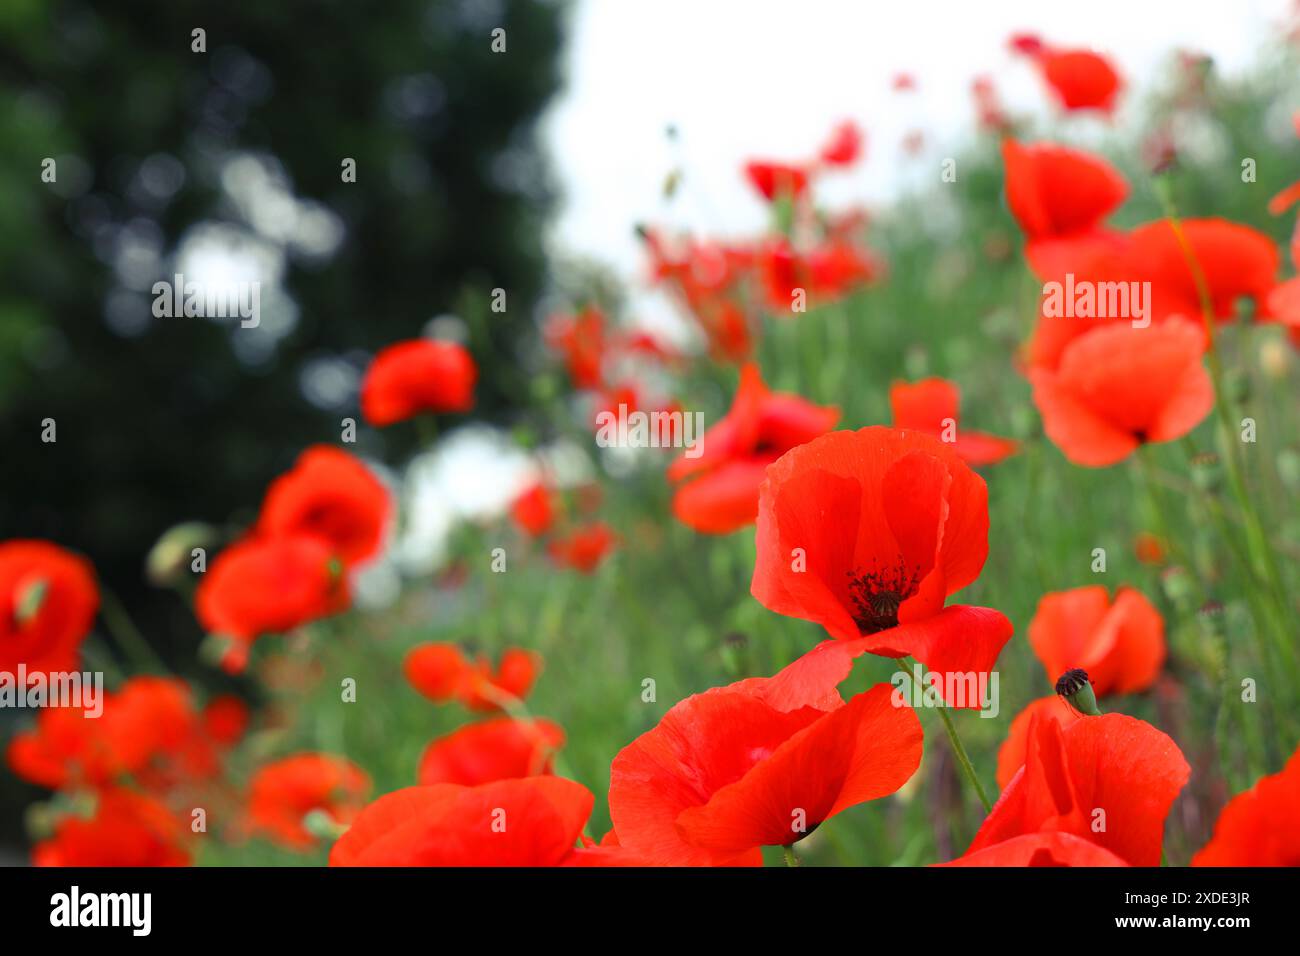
(1076, 690)
(322, 826)
(174, 550)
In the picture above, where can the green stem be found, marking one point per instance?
(963, 759)
(1256, 538)
(790, 858)
(127, 635)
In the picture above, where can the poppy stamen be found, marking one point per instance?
(877, 596)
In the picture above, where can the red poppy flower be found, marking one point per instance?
(416, 377)
(1284, 301)
(148, 720)
(496, 749)
(1259, 827)
(268, 585)
(283, 792)
(844, 146)
(1235, 261)
(532, 821)
(1108, 780)
(1150, 548)
(730, 337)
(1118, 387)
(441, 672)
(127, 829)
(836, 267)
(752, 764)
(1079, 79)
(584, 548)
(332, 495)
(777, 180)
(1060, 197)
(534, 510)
(48, 601)
(225, 718)
(1011, 755)
(720, 493)
(930, 406)
(580, 339)
(1121, 644)
(1048, 848)
(867, 533)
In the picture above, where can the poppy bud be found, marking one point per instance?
(172, 552)
(321, 825)
(1076, 690)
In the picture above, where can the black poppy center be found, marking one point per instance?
(877, 596)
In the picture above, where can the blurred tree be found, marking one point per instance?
(230, 163)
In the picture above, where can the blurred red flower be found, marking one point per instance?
(534, 510)
(1118, 387)
(1121, 644)
(1060, 197)
(930, 406)
(283, 792)
(750, 765)
(1259, 827)
(581, 340)
(532, 821)
(585, 547)
(1093, 793)
(720, 493)
(416, 377)
(441, 672)
(332, 495)
(844, 147)
(777, 180)
(867, 533)
(1235, 262)
(265, 586)
(127, 829)
(497, 749)
(1079, 79)
(48, 601)
(143, 730)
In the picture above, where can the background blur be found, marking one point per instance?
(529, 171)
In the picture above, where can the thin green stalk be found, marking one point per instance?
(127, 635)
(963, 759)
(790, 858)
(1262, 562)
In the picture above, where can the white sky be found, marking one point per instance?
(761, 78)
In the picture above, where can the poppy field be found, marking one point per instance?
(984, 553)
